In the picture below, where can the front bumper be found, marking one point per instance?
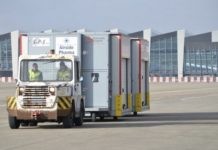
(38, 114)
(60, 109)
(33, 114)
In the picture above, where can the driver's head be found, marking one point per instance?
(62, 65)
(35, 66)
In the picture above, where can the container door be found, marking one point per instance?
(87, 89)
(147, 96)
(95, 88)
(100, 88)
(143, 81)
(125, 82)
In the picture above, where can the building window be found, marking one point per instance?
(201, 59)
(5, 55)
(163, 56)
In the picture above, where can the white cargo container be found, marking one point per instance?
(106, 69)
(140, 75)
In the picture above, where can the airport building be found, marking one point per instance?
(201, 55)
(166, 51)
(5, 55)
(174, 56)
(181, 57)
(9, 53)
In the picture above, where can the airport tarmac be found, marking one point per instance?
(183, 116)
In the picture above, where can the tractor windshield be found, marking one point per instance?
(46, 70)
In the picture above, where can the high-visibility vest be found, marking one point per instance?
(34, 75)
(64, 74)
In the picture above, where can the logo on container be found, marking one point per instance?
(66, 45)
(40, 42)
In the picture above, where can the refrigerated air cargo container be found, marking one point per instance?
(106, 70)
(140, 75)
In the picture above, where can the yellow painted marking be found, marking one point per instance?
(138, 102)
(62, 104)
(66, 101)
(10, 101)
(13, 104)
(118, 105)
(59, 107)
(129, 101)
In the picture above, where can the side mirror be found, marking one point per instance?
(81, 79)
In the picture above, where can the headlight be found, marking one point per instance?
(52, 90)
(21, 90)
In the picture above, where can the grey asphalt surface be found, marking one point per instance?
(183, 116)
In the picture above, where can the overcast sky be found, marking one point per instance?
(195, 16)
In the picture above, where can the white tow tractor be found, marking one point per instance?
(49, 99)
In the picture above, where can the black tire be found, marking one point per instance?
(93, 117)
(101, 118)
(68, 121)
(24, 123)
(13, 122)
(115, 118)
(79, 120)
(135, 113)
(33, 123)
